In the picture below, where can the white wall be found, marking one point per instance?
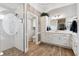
(78, 19)
(67, 11)
(77, 10)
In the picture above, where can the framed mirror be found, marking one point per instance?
(56, 24)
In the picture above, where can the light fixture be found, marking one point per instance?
(57, 17)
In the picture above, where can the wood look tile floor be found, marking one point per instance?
(42, 49)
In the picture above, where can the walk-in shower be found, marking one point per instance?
(11, 28)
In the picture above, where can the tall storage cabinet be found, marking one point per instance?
(43, 27)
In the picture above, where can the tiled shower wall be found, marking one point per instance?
(19, 41)
(6, 41)
(9, 41)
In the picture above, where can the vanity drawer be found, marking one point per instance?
(52, 38)
(60, 39)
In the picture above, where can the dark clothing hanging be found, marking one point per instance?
(48, 28)
(74, 26)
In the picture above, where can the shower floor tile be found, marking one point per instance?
(13, 52)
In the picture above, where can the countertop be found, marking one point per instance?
(62, 32)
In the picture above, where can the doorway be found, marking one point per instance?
(32, 28)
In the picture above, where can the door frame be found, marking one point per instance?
(36, 32)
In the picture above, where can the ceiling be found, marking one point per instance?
(8, 7)
(45, 7)
(41, 7)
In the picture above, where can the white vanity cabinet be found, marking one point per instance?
(50, 38)
(65, 40)
(59, 39)
(75, 45)
(77, 49)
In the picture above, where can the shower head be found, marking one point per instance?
(16, 14)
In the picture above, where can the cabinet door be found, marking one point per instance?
(52, 38)
(78, 49)
(65, 40)
(58, 39)
(75, 46)
(43, 36)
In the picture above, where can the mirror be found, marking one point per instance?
(61, 24)
(56, 24)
